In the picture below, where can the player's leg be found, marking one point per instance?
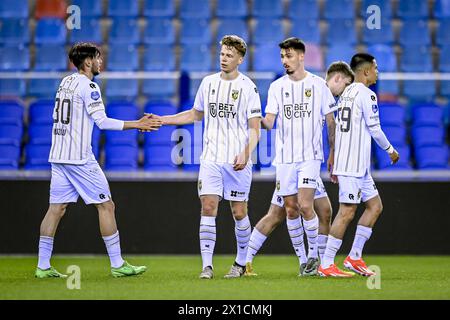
(373, 210)
(308, 175)
(348, 197)
(323, 208)
(236, 190)
(62, 192)
(210, 191)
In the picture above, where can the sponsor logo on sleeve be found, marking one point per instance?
(374, 108)
(95, 95)
(252, 111)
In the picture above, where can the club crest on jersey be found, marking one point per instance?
(308, 93)
(235, 94)
(213, 110)
(95, 95)
(375, 108)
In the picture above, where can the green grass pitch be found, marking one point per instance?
(176, 278)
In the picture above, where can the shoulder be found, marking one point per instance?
(211, 78)
(279, 82)
(317, 81)
(365, 92)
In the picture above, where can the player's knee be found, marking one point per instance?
(108, 207)
(209, 208)
(347, 214)
(377, 208)
(306, 208)
(58, 210)
(293, 211)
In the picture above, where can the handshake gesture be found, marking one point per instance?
(149, 122)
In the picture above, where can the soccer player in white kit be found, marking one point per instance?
(75, 171)
(230, 104)
(299, 101)
(338, 76)
(358, 122)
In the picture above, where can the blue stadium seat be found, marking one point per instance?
(441, 9)
(424, 136)
(14, 9)
(427, 115)
(122, 89)
(160, 108)
(159, 8)
(14, 31)
(307, 30)
(41, 112)
(43, 88)
(395, 134)
(90, 30)
(11, 113)
(416, 9)
(121, 158)
(40, 134)
(267, 9)
(339, 52)
(159, 88)
(419, 90)
(89, 9)
(384, 162)
(50, 31)
(263, 89)
(445, 88)
(432, 157)
(231, 9)
(162, 137)
(444, 59)
(120, 8)
(384, 5)
(303, 10)
(341, 31)
(267, 31)
(195, 31)
(416, 59)
(339, 9)
(442, 34)
(190, 145)
(195, 9)
(392, 114)
(50, 57)
(11, 134)
(158, 158)
(232, 26)
(266, 57)
(124, 31)
(414, 32)
(384, 35)
(159, 31)
(9, 157)
(123, 58)
(159, 58)
(194, 84)
(14, 58)
(12, 88)
(195, 58)
(37, 157)
(122, 110)
(126, 138)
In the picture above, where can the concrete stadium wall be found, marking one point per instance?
(163, 218)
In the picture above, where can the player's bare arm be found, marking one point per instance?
(254, 132)
(146, 123)
(185, 117)
(268, 121)
(331, 129)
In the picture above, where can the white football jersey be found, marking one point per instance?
(227, 107)
(357, 111)
(300, 107)
(76, 100)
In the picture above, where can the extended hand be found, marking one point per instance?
(394, 157)
(149, 122)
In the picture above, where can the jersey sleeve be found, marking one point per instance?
(254, 103)
(369, 107)
(328, 102)
(92, 98)
(272, 104)
(199, 98)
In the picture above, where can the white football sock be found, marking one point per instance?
(45, 252)
(256, 241)
(112, 244)
(243, 231)
(295, 230)
(207, 239)
(362, 235)
(312, 232)
(333, 245)
(322, 244)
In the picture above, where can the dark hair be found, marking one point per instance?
(340, 67)
(236, 42)
(80, 51)
(360, 59)
(294, 43)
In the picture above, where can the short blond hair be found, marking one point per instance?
(236, 42)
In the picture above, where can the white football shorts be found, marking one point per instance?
(293, 176)
(321, 192)
(354, 189)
